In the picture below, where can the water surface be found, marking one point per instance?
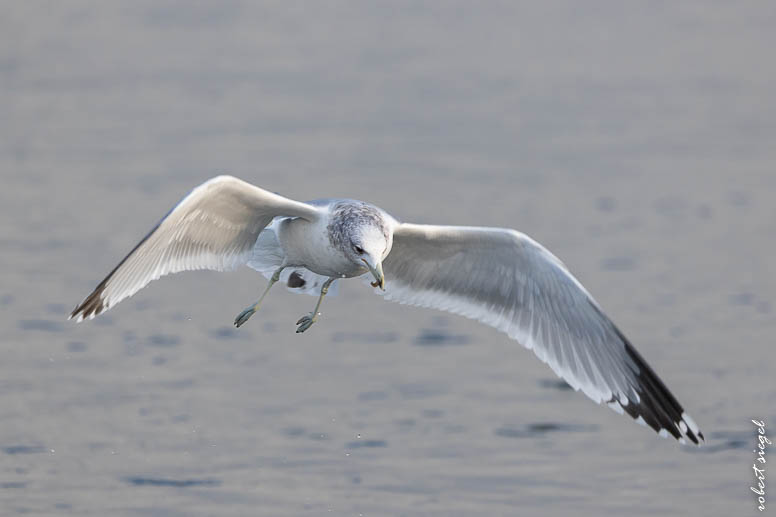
(636, 143)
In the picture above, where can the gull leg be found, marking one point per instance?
(305, 322)
(248, 312)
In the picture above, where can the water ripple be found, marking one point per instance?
(176, 483)
(538, 429)
(24, 449)
(44, 325)
(439, 337)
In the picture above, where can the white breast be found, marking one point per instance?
(307, 245)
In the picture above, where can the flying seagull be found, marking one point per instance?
(498, 276)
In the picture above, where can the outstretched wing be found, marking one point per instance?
(508, 281)
(214, 227)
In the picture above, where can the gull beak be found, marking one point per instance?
(377, 272)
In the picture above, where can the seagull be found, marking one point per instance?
(498, 276)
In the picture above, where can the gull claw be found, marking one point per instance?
(305, 322)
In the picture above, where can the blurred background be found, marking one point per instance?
(636, 141)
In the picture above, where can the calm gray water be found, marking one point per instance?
(637, 143)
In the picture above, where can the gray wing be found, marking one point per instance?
(508, 281)
(214, 227)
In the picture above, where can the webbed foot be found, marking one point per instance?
(244, 316)
(249, 311)
(305, 322)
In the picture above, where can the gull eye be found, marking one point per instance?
(358, 249)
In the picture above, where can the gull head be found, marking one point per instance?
(363, 234)
(367, 245)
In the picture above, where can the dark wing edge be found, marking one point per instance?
(214, 227)
(543, 301)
